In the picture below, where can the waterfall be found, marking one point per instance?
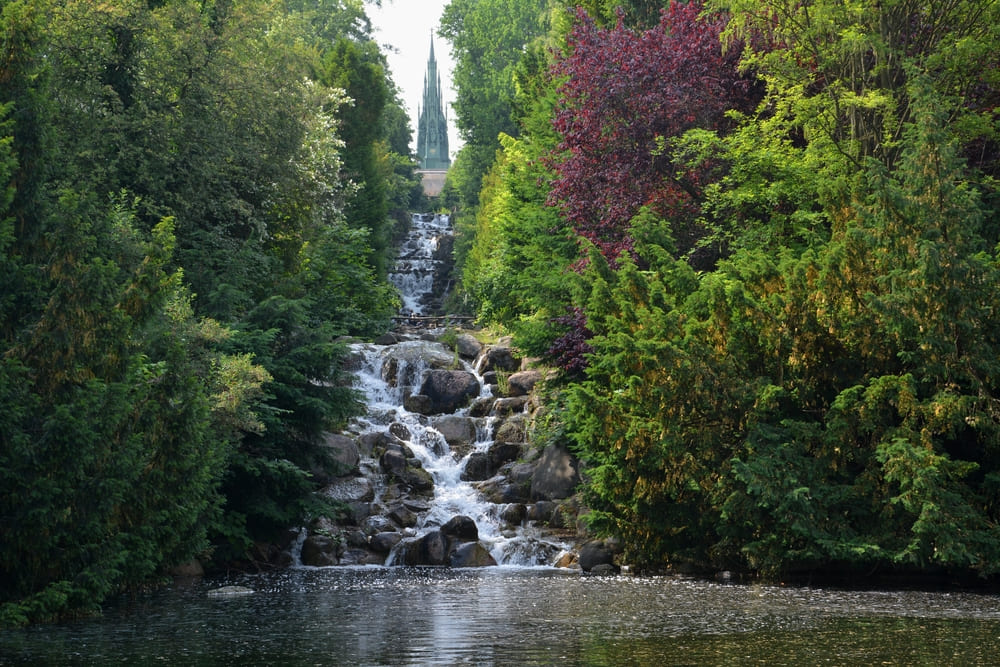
(386, 376)
(452, 496)
(416, 265)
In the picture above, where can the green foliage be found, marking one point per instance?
(513, 251)
(175, 270)
(357, 69)
(109, 461)
(488, 41)
(825, 397)
(517, 270)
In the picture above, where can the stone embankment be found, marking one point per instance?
(387, 492)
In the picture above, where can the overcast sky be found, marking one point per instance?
(404, 29)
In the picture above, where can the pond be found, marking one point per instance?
(516, 616)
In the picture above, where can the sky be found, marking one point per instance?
(404, 28)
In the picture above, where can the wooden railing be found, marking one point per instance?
(431, 321)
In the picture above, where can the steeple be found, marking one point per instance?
(432, 128)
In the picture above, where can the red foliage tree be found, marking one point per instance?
(624, 93)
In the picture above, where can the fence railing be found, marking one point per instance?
(430, 321)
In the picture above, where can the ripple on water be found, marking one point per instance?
(525, 616)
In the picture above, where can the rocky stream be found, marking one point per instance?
(441, 469)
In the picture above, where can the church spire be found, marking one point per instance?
(432, 128)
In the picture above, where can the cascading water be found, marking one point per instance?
(415, 266)
(513, 545)
(388, 374)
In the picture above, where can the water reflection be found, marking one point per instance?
(502, 616)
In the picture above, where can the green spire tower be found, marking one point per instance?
(432, 130)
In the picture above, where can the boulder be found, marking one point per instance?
(357, 512)
(563, 516)
(477, 468)
(503, 452)
(458, 432)
(556, 474)
(431, 549)
(400, 431)
(498, 358)
(366, 443)
(350, 489)
(508, 406)
(492, 489)
(418, 479)
(595, 553)
(354, 361)
(449, 390)
(356, 538)
(462, 528)
(376, 524)
(393, 462)
(360, 557)
(467, 346)
(566, 559)
(481, 407)
(385, 440)
(522, 382)
(343, 450)
(386, 339)
(405, 360)
(418, 403)
(319, 551)
(512, 429)
(470, 554)
(384, 542)
(402, 516)
(513, 514)
(416, 505)
(541, 511)
(520, 473)
(499, 491)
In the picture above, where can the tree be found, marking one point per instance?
(844, 72)
(176, 269)
(624, 95)
(824, 397)
(487, 41)
(517, 265)
(357, 69)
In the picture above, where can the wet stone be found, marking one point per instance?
(416, 505)
(477, 468)
(350, 489)
(508, 406)
(384, 542)
(471, 554)
(402, 517)
(514, 514)
(461, 527)
(400, 431)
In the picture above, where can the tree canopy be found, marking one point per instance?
(773, 225)
(197, 202)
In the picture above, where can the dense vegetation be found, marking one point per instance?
(198, 200)
(761, 240)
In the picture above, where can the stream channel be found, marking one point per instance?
(521, 612)
(372, 615)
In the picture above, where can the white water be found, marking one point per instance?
(413, 273)
(452, 496)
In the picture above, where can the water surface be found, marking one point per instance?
(517, 616)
